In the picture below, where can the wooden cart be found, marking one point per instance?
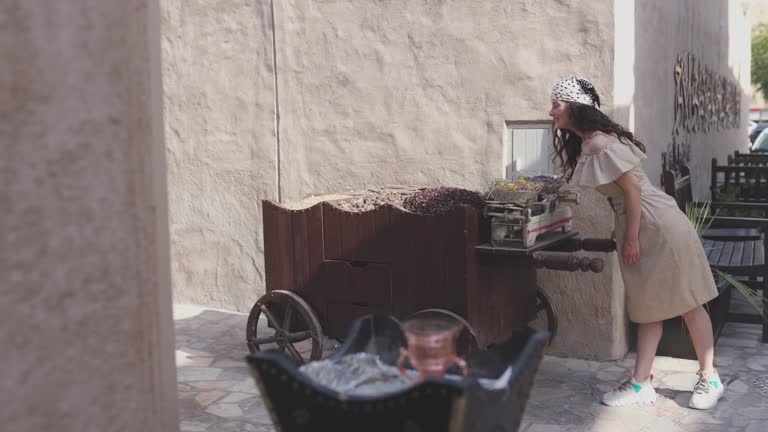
(326, 267)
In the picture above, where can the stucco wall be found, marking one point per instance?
(84, 263)
(717, 34)
(340, 95)
(403, 92)
(417, 92)
(366, 94)
(219, 79)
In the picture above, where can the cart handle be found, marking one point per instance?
(568, 263)
(588, 244)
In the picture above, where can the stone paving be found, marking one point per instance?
(216, 393)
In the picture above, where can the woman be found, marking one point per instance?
(665, 270)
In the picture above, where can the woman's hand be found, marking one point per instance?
(631, 250)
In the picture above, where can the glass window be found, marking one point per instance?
(761, 143)
(528, 147)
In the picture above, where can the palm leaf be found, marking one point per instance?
(699, 216)
(752, 296)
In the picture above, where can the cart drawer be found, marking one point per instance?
(362, 283)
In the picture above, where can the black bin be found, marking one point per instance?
(298, 404)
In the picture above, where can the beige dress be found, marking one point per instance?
(673, 275)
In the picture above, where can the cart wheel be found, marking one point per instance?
(467, 340)
(546, 315)
(291, 327)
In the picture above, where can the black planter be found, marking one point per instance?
(296, 403)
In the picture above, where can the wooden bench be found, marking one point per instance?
(741, 183)
(748, 159)
(679, 187)
(734, 245)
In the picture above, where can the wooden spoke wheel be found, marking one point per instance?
(467, 340)
(546, 315)
(291, 326)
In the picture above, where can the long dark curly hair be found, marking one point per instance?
(586, 119)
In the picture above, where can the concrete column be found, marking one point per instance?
(87, 332)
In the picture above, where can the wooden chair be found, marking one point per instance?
(679, 187)
(740, 183)
(748, 159)
(737, 246)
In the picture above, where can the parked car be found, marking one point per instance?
(761, 143)
(751, 126)
(757, 131)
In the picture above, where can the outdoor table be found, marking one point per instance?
(732, 234)
(741, 259)
(736, 257)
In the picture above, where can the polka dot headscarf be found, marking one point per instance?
(576, 89)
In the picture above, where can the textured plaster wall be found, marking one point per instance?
(84, 264)
(417, 92)
(220, 126)
(405, 92)
(340, 95)
(367, 94)
(717, 33)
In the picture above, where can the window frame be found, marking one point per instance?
(507, 161)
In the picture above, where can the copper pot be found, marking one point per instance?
(431, 347)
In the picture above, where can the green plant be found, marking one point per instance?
(727, 193)
(731, 193)
(760, 58)
(699, 216)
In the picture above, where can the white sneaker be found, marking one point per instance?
(631, 392)
(707, 391)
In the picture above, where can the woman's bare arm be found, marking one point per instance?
(632, 189)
